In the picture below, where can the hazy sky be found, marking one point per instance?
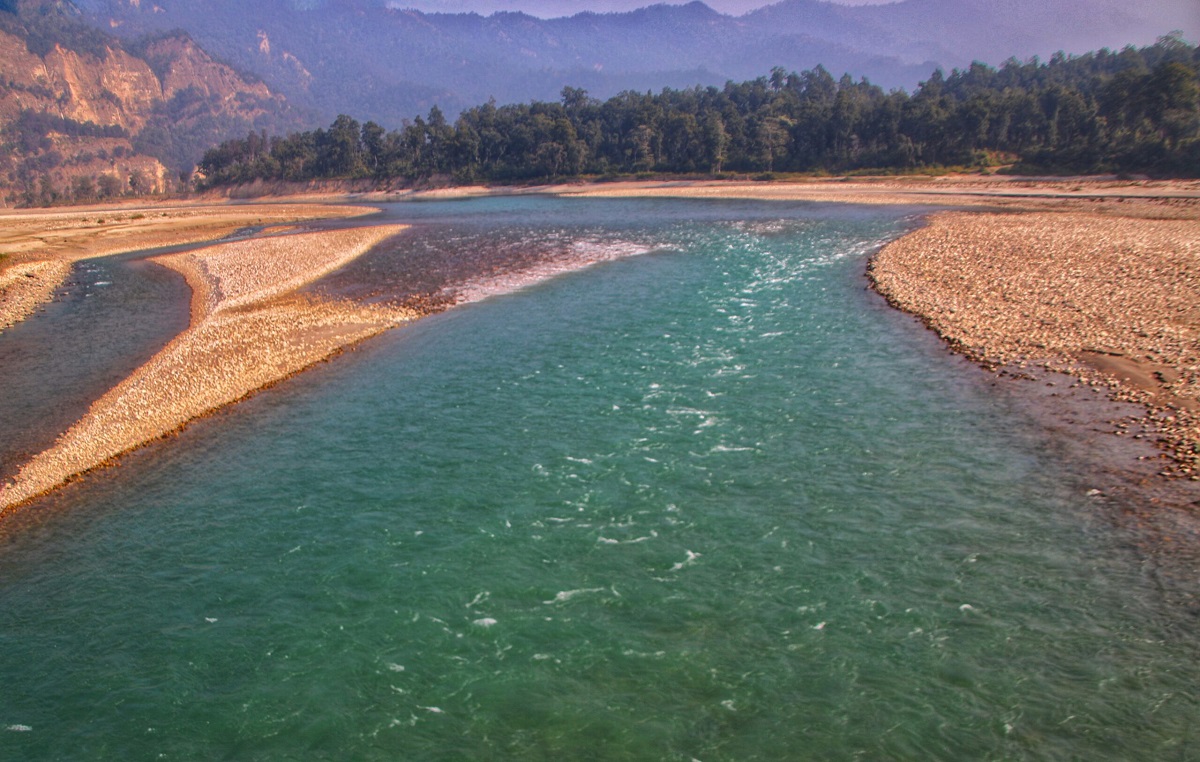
(1177, 13)
(554, 8)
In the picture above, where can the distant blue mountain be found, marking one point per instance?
(363, 58)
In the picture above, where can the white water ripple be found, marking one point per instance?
(578, 255)
(566, 595)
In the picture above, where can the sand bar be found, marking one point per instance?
(249, 330)
(37, 246)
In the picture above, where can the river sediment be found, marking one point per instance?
(1110, 301)
(1097, 280)
(37, 246)
(249, 330)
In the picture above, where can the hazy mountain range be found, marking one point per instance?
(557, 8)
(121, 96)
(378, 61)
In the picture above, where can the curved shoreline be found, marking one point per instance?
(1109, 301)
(38, 247)
(25, 286)
(1096, 278)
(249, 330)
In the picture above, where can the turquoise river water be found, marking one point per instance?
(707, 499)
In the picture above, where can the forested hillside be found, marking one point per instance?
(1136, 110)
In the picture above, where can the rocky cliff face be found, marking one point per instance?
(182, 64)
(116, 89)
(89, 116)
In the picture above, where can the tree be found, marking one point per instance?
(1172, 101)
(339, 150)
(139, 183)
(83, 188)
(47, 193)
(770, 141)
(642, 148)
(778, 78)
(109, 186)
(575, 99)
(682, 147)
(372, 145)
(716, 142)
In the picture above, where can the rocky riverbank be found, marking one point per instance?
(1113, 301)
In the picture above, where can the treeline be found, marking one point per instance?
(31, 130)
(1136, 110)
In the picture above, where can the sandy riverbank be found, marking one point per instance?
(37, 246)
(249, 330)
(952, 190)
(961, 190)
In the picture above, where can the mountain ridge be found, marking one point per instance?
(416, 60)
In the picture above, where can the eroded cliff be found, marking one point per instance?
(85, 116)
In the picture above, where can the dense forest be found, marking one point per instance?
(1136, 110)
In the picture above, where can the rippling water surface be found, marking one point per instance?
(708, 500)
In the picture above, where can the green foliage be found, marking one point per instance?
(1137, 110)
(30, 128)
